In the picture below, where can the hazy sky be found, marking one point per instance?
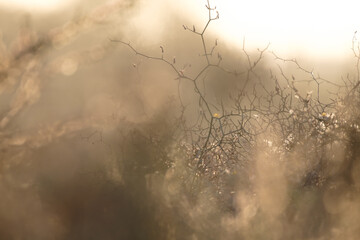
(321, 28)
(36, 5)
(306, 26)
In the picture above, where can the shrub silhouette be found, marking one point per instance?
(269, 150)
(249, 118)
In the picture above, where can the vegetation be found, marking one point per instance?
(263, 148)
(271, 136)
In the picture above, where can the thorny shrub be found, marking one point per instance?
(293, 119)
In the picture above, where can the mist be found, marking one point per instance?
(98, 142)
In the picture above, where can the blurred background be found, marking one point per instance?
(77, 109)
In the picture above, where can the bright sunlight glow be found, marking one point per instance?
(320, 27)
(313, 27)
(35, 5)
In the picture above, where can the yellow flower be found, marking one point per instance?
(216, 115)
(323, 114)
